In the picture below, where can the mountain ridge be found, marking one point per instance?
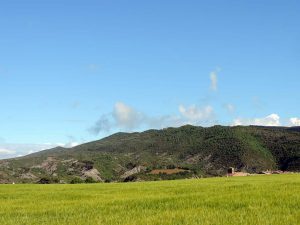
(191, 151)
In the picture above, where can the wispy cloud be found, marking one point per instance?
(230, 108)
(75, 104)
(214, 79)
(92, 67)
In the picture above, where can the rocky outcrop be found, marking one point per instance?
(133, 171)
(28, 175)
(49, 165)
(93, 173)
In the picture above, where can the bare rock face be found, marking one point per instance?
(93, 173)
(133, 171)
(50, 165)
(28, 175)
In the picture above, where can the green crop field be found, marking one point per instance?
(236, 200)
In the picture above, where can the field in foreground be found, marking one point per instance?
(237, 200)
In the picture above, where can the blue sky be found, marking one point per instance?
(75, 71)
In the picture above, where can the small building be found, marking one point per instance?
(230, 171)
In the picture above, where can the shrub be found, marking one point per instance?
(76, 180)
(131, 178)
(90, 180)
(46, 180)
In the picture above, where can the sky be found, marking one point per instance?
(77, 71)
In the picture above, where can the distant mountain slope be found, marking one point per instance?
(189, 151)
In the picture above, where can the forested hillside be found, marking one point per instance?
(183, 152)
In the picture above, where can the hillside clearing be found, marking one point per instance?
(168, 171)
(260, 200)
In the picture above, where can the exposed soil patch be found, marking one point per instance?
(168, 171)
(240, 174)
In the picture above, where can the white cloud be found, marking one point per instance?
(270, 120)
(74, 144)
(31, 151)
(4, 151)
(194, 114)
(127, 118)
(69, 144)
(17, 150)
(8, 150)
(294, 121)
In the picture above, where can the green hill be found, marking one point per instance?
(188, 151)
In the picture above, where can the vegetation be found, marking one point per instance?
(202, 152)
(263, 200)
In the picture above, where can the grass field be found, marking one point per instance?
(237, 200)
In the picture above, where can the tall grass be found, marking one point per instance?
(238, 200)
